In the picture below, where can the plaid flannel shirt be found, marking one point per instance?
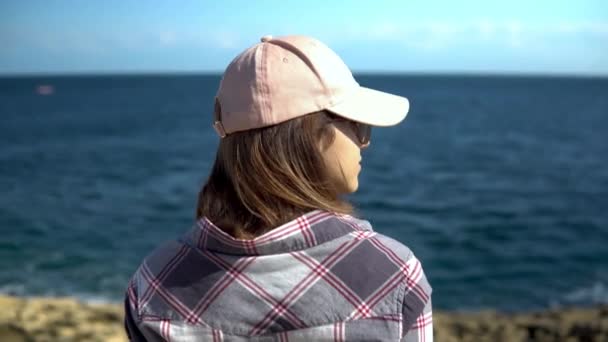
(321, 277)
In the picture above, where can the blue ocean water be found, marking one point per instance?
(498, 184)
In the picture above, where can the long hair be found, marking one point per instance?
(268, 176)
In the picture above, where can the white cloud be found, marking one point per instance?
(444, 29)
(515, 30)
(486, 29)
(383, 31)
(167, 38)
(429, 35)
(585, 28)
(437, 35)
(225, 39)
(221, 39)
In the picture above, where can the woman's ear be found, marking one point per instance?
(327, 135)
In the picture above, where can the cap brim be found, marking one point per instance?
(372, 107)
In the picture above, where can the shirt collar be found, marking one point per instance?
(306, 231)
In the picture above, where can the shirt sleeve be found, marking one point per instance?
(417, 305)
(130, 322)
(130, 325)
(422, 329)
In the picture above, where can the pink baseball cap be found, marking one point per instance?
(282, 78)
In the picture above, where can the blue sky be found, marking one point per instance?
(546, 37)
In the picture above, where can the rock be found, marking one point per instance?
(67, 319)
(58, 319)
(10, 332)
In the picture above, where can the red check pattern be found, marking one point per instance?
(277, 307)
(321, 275)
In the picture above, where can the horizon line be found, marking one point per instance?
(92, 73)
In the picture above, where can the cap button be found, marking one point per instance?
(266, 38)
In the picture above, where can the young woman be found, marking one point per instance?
(276, 254)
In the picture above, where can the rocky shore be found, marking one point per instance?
(66, 319)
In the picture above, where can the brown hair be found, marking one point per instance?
(268, 176)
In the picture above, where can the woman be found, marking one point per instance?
(276, 254)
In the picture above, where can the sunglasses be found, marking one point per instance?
(363, 131)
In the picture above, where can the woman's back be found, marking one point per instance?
(322, 276)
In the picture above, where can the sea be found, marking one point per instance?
(499, 184)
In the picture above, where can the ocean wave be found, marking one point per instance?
(19, 290)
(594, 294)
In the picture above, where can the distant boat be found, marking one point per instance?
(45, 89)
